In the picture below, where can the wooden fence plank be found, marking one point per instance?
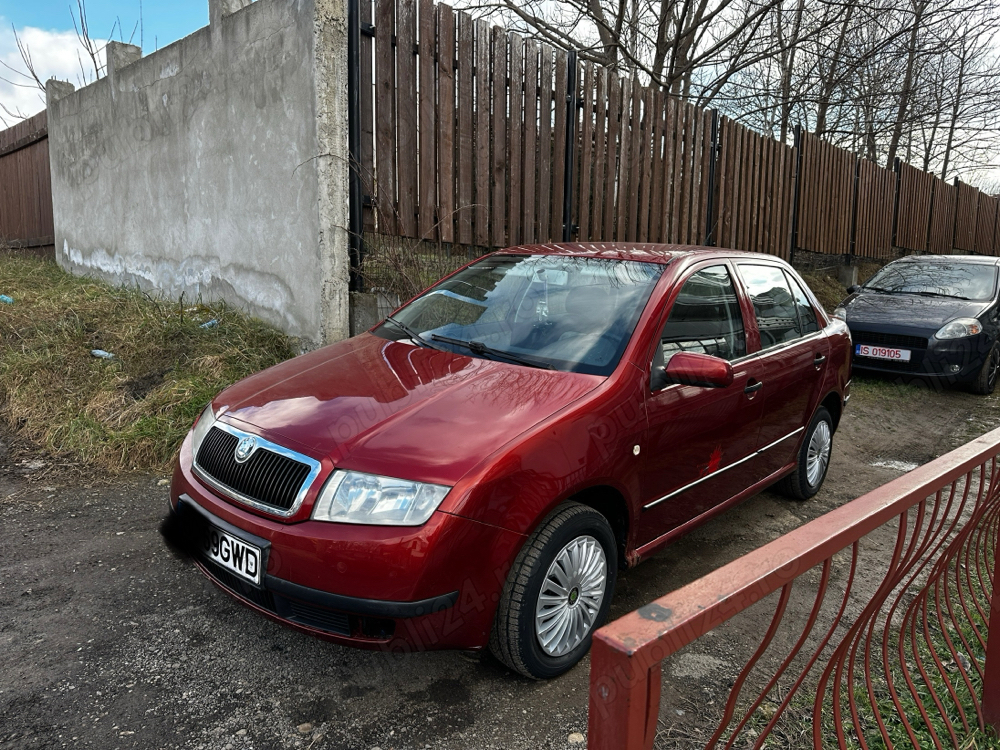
(499, 139)
(482, 143)
(466, 84)
(406, 95)
(586, 177)
(427, 197)
(446, 123)
(385, 116)
(515, 129)
(529, 224)
(366, 97)
(615, 105)
(624, 162)
(635, 155)
(543, 231)
(600, 155)
(559, 146)
(656, 171)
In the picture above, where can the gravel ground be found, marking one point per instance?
(107, 640)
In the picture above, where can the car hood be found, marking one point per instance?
(392, 408)
(871, 309)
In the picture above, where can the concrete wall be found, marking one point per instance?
(216, 167)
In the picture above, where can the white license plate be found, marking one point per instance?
(232, 554)
(882, 352)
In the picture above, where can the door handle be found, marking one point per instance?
(754, 387)
(820, 359)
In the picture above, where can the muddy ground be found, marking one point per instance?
(107, 640)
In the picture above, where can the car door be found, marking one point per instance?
(699, 449)
(794, 353)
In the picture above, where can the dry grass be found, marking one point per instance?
(130, 412)
(827, 289)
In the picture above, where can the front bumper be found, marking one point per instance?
(413, 588)
(955, 361)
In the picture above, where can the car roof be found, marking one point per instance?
(981, 259)
(646, 252)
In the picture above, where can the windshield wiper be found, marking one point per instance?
(416, 337)
(478, 347)
(878, 289)
(939, 294)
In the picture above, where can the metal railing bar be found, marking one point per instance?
(769, 567)
(910, 623)
(951, 647)
(924, 609)
(734, 692)
(806, 630)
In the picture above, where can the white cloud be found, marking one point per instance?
(54, 53)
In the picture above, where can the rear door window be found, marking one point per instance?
(807, 316)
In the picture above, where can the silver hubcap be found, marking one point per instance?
(819, 453)
(571, 596)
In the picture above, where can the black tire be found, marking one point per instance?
(513, 639)
(986, 381)
(797, 485)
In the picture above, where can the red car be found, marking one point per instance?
(477, 468)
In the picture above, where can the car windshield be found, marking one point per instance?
(555, 311)
(972, 281)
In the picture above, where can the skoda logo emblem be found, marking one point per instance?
(245, 448)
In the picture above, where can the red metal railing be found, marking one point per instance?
(893, 649)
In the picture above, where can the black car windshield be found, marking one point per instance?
(939, 278)
(555, 311)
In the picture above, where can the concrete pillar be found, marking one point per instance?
(56, 90)
(120, 55)
(332, 160)
(847, 275)
(219, 9)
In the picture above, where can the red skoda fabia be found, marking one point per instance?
(476, 469)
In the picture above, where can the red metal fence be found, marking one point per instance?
(898, 587)
(25, 186)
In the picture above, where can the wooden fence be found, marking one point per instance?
(473, 137)
(25, 186)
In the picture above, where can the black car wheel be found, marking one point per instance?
(813, 459)
(986, 381)
(557, 594)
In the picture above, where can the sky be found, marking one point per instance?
(46, 27)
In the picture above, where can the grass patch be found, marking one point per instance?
(827, 289)
(130, 412)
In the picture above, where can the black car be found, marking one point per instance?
(932, 317)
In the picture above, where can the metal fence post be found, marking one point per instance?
(797, 191)
(572, 113)
(991, 670)
(624, 701)
(713, 161)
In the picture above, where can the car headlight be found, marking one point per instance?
(960, 328)
(840, 313)
(201, 428)
(353, 497)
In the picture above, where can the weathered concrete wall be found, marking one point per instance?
(216, 167)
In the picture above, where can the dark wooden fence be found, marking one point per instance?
(25, 186)
(476, 138)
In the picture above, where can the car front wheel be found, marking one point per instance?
(813, 459)
(557, 594)
(986, 382)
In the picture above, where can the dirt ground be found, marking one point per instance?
(107, 640)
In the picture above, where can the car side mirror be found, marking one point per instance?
(853, 288)
(690, 368)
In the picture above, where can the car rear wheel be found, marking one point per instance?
(557, 594)
(813, 459)
(986, 382)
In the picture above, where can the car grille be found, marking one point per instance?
(888, 339)
(266, 477)
(317, 617)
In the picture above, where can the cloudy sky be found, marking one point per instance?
(46, 28)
